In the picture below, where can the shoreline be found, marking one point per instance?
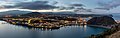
(114, 35)
(100, 26)
(113, 32)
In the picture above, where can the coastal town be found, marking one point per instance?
(37, 20)
(53, 21)
(59, 18)
(45, 21)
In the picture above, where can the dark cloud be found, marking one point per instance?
(78, 5)
(83, 10)
(8, 6)
(66, 8)
(54, 2)
(37, 5)
(109, 5)
(70, 7)
(103, 8)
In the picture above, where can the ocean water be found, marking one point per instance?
(15, 31)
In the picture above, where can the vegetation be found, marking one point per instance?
(103, 20)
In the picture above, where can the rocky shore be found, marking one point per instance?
(105, 22)
(115, 35)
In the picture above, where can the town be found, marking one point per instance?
(45, 21)
(56, 21)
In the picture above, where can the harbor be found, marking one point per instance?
(59, 18)
(76, 31)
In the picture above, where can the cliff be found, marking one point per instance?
(103, 20)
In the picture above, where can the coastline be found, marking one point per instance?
(114, 35)
(100, 26)
(113, 32)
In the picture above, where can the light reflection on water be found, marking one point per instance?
(13, 31)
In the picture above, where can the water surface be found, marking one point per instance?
(14, 31)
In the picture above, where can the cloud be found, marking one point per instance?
(92, 11)
(109, 5)
(36, 5)
(103, 8)
(54, 2)
(78, 5)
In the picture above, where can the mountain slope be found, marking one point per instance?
(13, 12)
